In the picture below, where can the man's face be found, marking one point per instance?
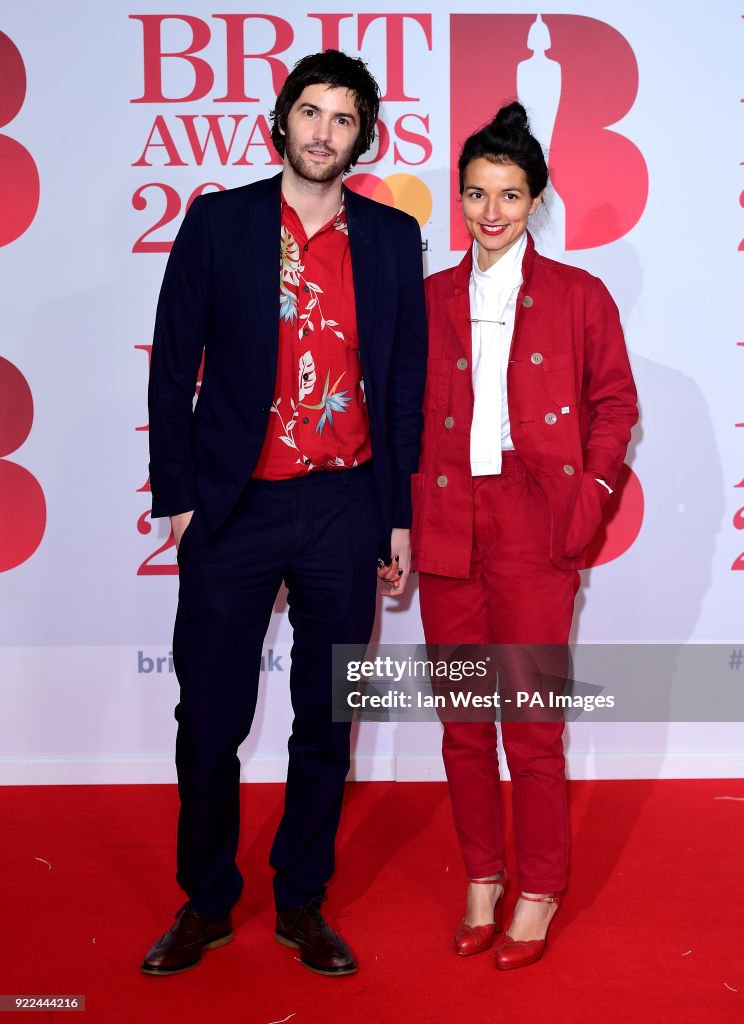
(322, 129)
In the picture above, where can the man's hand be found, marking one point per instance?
(396, 574)
(179, 524)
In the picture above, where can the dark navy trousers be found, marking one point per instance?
(321, 535)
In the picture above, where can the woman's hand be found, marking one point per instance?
(395, 574)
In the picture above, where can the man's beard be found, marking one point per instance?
(304, 166)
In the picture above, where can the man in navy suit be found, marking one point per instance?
(294, 466)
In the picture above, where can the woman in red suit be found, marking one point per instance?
(528, 410)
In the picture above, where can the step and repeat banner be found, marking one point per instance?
(114, 116)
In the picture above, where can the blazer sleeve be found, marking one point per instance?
(408, 373)
(181, 325)
(609, 397)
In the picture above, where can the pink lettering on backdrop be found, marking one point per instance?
(395, 47)
(19, 199)
(23, 507)
(161, 562)
(233, 57)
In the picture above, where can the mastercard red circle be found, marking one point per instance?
(372, 187)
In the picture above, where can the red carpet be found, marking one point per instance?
(652, 929)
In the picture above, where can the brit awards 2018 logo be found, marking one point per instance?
(186, 58)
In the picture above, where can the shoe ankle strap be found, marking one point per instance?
(552, 898)
(500, 879)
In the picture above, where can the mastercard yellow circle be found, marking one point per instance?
(412, 195)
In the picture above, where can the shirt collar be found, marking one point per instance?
(337, 221)
(504, 271)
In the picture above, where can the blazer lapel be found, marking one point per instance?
(362, 244)
(263, 224)
(458, 305)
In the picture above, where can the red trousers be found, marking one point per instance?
(513, 595)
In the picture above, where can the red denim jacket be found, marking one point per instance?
(572, 404)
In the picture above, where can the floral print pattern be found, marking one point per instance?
(301, 306)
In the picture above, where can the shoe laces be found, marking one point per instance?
(313, 908)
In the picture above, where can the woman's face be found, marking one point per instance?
(496, 203)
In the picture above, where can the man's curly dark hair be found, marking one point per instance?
(335, 70)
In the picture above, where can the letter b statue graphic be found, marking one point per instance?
(599, 174)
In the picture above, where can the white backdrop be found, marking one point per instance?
(116, 133)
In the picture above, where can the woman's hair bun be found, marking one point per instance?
(512, 116)
(507, 139)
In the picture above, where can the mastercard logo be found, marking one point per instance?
(403, 191)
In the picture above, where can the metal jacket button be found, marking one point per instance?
(449, 423)
(569, 470)
(550, 418)
(462, 364)
(536, 358)
(527, 301)
(441, 481)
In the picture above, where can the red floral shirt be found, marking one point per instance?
(318, 418)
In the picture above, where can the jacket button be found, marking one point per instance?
(462, 364)
(550, 418)
(441, 481)
(569, 470)
(449, 422)
(527, 301)
(536, 358)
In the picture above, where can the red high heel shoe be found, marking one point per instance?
(512, 953)
(477, 938)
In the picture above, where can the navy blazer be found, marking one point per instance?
(220, 295)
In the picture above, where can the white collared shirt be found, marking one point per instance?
(493, 297)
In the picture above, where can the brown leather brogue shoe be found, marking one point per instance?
(181, 947)
(321, 949)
